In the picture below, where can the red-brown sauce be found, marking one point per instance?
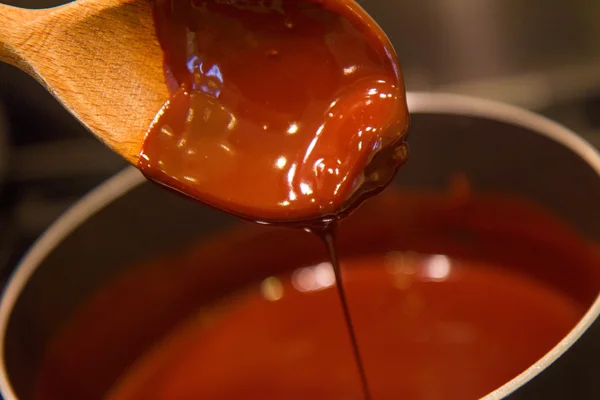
(451, 296)
(429, 327)
(281, 111)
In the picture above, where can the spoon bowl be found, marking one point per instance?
(307, 118)
(101, 59)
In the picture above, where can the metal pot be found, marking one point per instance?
(498, 147)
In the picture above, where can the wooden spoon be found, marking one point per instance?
(99, 58)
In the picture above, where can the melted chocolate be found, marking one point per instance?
(328, 238)
(430, 327)
(282, 111)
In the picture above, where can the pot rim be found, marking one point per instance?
(419, 103)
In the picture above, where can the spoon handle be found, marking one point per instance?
(11, 22)
(16, 30)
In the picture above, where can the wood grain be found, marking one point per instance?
(99, 58)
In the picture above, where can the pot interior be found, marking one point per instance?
(101, 298)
